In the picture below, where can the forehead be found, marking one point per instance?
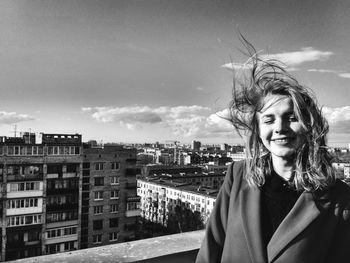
(277, 104)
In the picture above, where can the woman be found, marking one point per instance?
(282, 204)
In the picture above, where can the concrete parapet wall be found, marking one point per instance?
(128, 251)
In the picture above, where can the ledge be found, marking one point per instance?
(181, 246)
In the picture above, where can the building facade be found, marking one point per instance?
(110, 206)
(60, 195)
(40, 194)
(160, 197)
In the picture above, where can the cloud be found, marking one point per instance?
(13, 117)
(86, 109)
(323, 70)
(125, 115)
(296, 58)
(344, 75)
(334, 115)
(289, 59)
(236, 66)
(189, 121)
(338, 118)
(337, 72)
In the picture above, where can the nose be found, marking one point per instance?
(280, 126)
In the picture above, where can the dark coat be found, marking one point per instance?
(316, 230)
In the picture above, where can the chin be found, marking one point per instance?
(285, 153)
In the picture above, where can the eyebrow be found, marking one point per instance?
(272, 115)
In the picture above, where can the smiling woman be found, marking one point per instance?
(280, 131)
(283, 203)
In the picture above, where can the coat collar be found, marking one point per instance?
(304, 212)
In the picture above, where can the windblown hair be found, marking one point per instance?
(263, 77)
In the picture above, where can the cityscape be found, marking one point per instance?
(62, 194)
(115, 127)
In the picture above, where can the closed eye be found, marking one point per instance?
(293, 118)
(268, 121)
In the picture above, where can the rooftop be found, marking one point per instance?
(183, 186)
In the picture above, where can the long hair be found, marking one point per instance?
(263, 77)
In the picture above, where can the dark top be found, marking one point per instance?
(278, 198)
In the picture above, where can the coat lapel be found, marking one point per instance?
(250, 204)
(302, 214)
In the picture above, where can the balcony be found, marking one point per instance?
(172, 248)
(131, 185)
(61, 207)
(24, 177)
(132, 213)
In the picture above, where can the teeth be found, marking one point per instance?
(281, 140)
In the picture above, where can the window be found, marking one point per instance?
(96, 239)
(23, 220)
(98, 166)
(53, 150)
(114, 166)
(33, 236)
(113, 236)
(61, 216)
(86, 180)
(54, 248)
(69, 231)
(70, 245)
(25, 186)
(114, 194)
(54, 169)
(98, 195)
(113, 222)
(72, 168)
(53, 233)
(114, 208)
(114, 179)
(99, 181)
(98, 209)
(22, 203)
(97, 224)
(132, 206)
(76, 150)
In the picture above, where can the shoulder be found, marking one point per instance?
(235, 174)
(236, 170)
(238, 166)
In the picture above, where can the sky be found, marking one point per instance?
(158, 70)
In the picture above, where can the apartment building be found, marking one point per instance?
(110, 205)
(39, 194)
(160, 197)
(58, 196)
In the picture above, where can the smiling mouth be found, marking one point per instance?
(282, 141)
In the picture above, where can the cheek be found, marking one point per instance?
(264, 133)
(298, 130)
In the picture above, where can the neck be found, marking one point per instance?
(283, 168)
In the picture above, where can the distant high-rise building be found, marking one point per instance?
(223, 147)
(195, 145)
